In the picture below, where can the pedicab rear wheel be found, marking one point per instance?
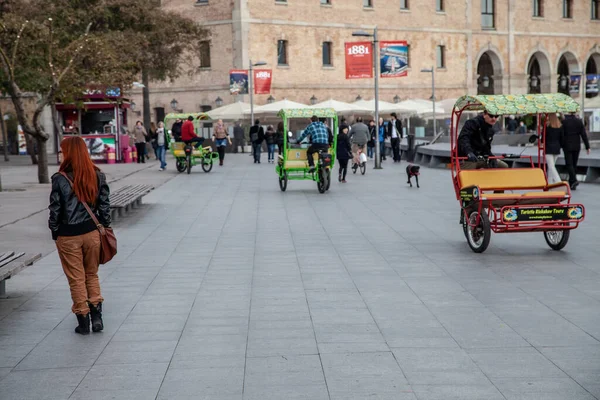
(189, 163)
(180, 165)
(321, 181)
(328, 173)
(557, 240)
(283, 181)
(478, 236)
(207, 163)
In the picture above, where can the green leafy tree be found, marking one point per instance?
(58, 48)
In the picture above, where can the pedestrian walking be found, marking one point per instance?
(359, 137)
(343, 153)
(574, 131)
(152, 134)
(238, 137)
(75, 232)
(257, 135)
(371, 142)
(382, 130)
(140, 141)
(271, 139)
(162, 145)
(554, 139)
(395, 133)
(221, 137)
(279, 137)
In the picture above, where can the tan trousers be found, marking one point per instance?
(355, 148)
(80, 258)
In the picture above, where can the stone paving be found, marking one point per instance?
(226, 288)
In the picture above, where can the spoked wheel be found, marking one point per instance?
(478, 236)
(180, 165)
(189, 163)
(207, 163)
(283, 181)
(557, 240)
(363, 167)
(321, 181)
(328, 173)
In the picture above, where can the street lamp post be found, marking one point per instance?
(376, 65)
(432, 71)
(251, 89)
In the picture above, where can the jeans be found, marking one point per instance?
(161, 152)
(197, 141)
(396, 148)
(552, 172)
(571, 158)
(256, 151)
(271, 148)
(79, 256)
(312, 149)
(382, 150)
(370, 151)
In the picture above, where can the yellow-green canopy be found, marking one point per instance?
(307, 113)
(519, 104)
(184, 116)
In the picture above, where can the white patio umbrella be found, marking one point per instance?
(384, 106)
(423, 108)
(275, 107)
(232, 111)
(341, 107)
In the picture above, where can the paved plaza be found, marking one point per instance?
(226, 288)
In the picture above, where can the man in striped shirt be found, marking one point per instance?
(320, 139)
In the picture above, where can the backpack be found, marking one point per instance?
(254, 135)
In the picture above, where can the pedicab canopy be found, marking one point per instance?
(519, 104)
(184, 116)
(307, 113)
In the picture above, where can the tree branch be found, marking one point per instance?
(50, 46)
(14, 54)
(87, 31)
(6, 65)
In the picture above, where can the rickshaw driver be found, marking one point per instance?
(188, 134)
(320, 139)
(475, 140)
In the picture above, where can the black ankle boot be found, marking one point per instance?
(84, 324)
(96, 313)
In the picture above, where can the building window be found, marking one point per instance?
(595, 9)
(439, 5)
(440, 56)
(205, 54)
(368, 3)
(538, 8)
(567, 9)
(487, 14)
(201, 1)
(280, 1)
(282, 57)
(408, 55)
(325, 2)
(327, 54)
(404, 5)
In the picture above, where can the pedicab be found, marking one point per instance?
(187, 156)
(505, 200)
(293, 164)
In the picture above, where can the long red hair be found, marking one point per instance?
(76, 159)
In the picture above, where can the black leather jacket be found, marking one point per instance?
(476, 137)
(68, 217)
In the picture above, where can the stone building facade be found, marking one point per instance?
(488, 46)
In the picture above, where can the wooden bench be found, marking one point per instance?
(12, 263)
(297, 159)
(127, 197)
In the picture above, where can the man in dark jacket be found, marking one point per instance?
(176, 129)
(257, 135)
(574, 131)
(395, 133)
(238, 137)
(475, 140)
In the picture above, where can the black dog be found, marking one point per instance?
(412, 170)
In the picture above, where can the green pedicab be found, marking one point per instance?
(186, 156)
(293, 164)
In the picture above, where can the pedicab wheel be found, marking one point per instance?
(363, 167)
(180, 165)
(321, 181)
(354, 168)
(478, 236)
(557, 240)
(328, 173)
(283, 181)
(189, 163)
(207, 163)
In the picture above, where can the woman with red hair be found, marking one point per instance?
(76, 235)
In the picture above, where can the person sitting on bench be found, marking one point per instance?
(475, 140)
(188, 134)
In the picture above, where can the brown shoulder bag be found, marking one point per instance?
(108, 240)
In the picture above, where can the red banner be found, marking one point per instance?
(359, 60)
(262, 81)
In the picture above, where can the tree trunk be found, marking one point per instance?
(146, 99)
(29, 142)
(42, 161)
